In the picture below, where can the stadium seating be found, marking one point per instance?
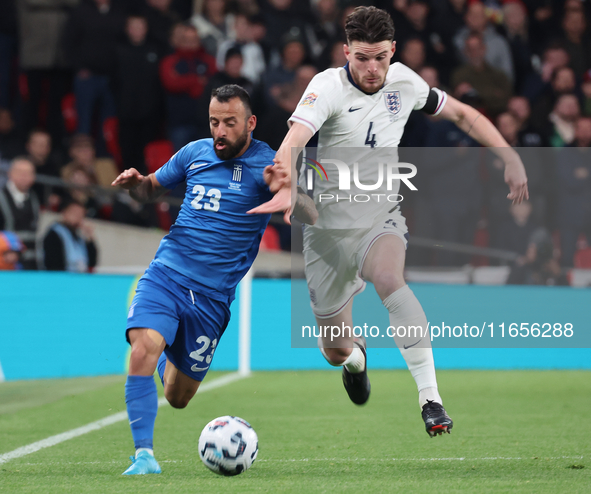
(111, 135)
(69, 113)
(270, 240)
(583, 258)
(156, 153)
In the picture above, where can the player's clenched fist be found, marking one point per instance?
(129, 179)
(516, 179)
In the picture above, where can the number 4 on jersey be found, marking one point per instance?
(370, 139)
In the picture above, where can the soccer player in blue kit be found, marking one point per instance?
(181, 306)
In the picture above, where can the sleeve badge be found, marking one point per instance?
(309, 100)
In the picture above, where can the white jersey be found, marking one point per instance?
(346, 117)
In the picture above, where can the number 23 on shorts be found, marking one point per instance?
(198, 354)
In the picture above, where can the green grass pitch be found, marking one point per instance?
(515, 431)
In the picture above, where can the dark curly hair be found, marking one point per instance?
(369, 25)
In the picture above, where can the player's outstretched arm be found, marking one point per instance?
(142, 189)
(477, 126)
(278, 176)
(281, 202)
(281, 173)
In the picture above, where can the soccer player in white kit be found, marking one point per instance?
(366, 105)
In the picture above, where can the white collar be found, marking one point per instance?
(18, 196)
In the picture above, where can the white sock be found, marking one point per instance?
(355, 362)
(405, 310)
(139, 450)
(429, 394)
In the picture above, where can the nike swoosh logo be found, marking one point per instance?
(134, 421)
(192, 167)
(410, 346)
(354, 109)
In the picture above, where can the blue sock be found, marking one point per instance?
(142, 405)
(161, 366)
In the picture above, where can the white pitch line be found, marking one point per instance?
(99, 424)
(335, 460)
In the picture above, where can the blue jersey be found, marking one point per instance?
(214, 242)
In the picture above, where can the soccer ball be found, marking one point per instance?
(228, 445)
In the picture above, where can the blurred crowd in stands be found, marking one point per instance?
(91, 87)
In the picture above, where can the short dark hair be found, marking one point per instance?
(369, 25)
(257, 19)
(189, 25)
(225, 93)
(81, 140)
(68, 201)
(234, 51)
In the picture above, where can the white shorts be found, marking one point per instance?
(334, 261)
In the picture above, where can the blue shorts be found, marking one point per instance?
(191, 323)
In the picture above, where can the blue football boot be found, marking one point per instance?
(143, 464)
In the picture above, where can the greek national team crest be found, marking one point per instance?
(236, 177)
(392, 100)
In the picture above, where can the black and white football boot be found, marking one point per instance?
(357, 385)
(437, 421)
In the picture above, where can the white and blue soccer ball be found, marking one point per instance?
(228, 445)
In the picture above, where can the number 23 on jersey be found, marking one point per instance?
(212, 201)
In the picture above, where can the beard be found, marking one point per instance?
(231, 149)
